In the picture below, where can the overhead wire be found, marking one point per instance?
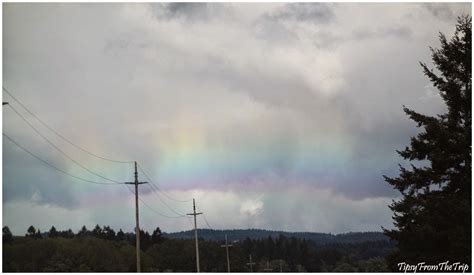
(190, 220)
(152, 209)
(207, 223)
(57, 148)
(205, 220)
(180, 215)
(160, 190)
(166, 204)
(156, 192)
(61, 136)
(51, 165)
(161, 214)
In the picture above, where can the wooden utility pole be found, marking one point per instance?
(227, 252)
(137, 226)
(250, 263)
(196, 234)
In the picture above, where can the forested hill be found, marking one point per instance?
(242, 234)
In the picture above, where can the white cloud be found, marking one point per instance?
(251, 208)
(291, 209)
(218, 97)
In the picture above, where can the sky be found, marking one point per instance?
(280, 116)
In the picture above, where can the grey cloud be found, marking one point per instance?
(442, 11)
(190, 11)
(306, 12)
(323, 206)
(325, 39)
(274, 32)
(25, 179)
(188, 81)
(402, 32)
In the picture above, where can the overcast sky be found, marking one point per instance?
(276, 116)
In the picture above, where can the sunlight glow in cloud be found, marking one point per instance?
(278, 116)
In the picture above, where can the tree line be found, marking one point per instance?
(104, 250)
(239, 234)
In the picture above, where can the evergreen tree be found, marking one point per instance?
(433, 217)
(156, 235)
(38, 235)
(145, 240)
(108, 233)
(7, 235)
(83, 231)
(120, 235)
(31, 232)
(53, 233)
(97, 231)
(69, 234)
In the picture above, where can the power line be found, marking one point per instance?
(205, 220)
(164, 202)
(157, 194)
(61, 136)
(59, 149)
(51, 165)
(207, 223)
(77, 146)
(152, 209)
(79, 164)
(160, 190)
(161, 214)
(190, 220)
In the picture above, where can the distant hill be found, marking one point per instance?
(241, 234)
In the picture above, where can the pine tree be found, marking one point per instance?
(38, 234)
(120, 235)
(108, 233)
(97, 232)
(7, 235)
(83, 231)
(156, 235)
(31, 232)
(433, 217)
(53, 233)
(69, 234)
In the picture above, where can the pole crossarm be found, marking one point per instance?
(267, 269)
(226, 246)
(195, 214)
(250, 263)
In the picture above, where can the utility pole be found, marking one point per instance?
(137, 226)
(250, 263)
(281, 265)
(196, 234)
(268, 268)
(227, 252)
